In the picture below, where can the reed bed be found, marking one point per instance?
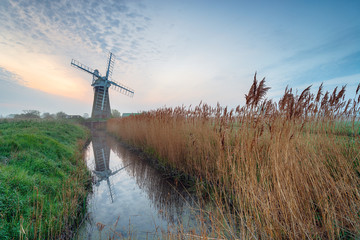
(286, 169)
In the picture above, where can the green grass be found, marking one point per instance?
(43, 180)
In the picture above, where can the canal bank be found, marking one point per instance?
(43, 179)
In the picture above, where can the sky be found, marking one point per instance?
(172, 53)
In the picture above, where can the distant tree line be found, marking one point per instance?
(35, 114)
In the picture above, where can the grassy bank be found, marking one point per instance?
(43, 178)
(274, 170)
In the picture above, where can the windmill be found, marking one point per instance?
(101, 84)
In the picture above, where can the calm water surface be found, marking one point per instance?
(129, 196)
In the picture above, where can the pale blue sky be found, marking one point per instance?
(172, 52)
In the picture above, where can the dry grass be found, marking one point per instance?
(277, 170)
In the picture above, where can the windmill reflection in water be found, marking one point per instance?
(102, 169)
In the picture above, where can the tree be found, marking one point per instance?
(31, 114)
(61, 115)
(47, 115)
(115, 113)
(28, 114)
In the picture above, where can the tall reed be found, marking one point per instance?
(286, 169)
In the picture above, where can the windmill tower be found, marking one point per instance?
(101, 84)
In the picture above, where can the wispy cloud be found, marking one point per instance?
(66, 25)
(174, 52)
(39, 38)
(7, 76)
(335, 57)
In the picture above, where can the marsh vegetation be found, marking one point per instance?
(286, 169)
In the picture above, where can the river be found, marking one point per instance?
(131, 198)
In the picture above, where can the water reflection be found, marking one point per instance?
(102, 170)
(129, 188)
(165, 196)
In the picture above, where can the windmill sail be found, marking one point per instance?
(83, 67)
(122, 88)
(111, 63)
